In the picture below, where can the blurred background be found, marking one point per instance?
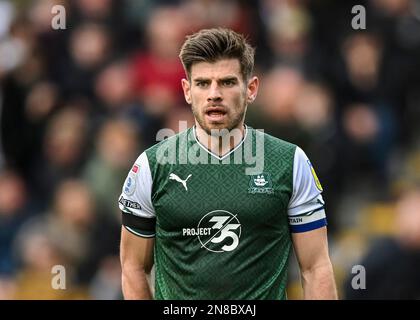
(77, 106)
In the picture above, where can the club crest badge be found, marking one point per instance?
(261, 183)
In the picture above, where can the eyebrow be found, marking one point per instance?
(200, 79)
(230, 78)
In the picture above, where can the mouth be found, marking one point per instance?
(215, 113)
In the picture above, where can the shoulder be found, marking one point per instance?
(273, 144)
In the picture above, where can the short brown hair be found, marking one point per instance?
(210, 45)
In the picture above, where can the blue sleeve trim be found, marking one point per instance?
(308, 226)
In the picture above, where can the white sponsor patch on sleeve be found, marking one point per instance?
(136, 196)
(306, 207)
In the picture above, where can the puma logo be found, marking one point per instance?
(173, 176)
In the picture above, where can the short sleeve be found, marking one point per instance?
(138, 214)
(306, 210)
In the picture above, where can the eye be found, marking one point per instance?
(228, 82)
(201, 84)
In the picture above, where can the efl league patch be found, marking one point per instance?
(129, 185)
(135, 168)
(317, 182)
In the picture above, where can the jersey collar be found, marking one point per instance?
(226, 154)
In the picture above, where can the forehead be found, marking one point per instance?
(215, 70)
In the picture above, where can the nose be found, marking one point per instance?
(214, 93)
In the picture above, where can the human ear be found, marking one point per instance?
(252, 89)
(187, 90)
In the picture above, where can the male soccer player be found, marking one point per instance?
(192, 205)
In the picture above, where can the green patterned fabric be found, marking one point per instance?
(225, 234)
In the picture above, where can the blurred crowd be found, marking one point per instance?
(78, 105)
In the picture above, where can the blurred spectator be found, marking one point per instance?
(71, 219)
(274, 109)
(108, 13)
(116, 97)
(39, 106)
(202, 14)
(14, 210)
(359, 77)
(24, 120)
(279, 92)
(40, 14)
(368, 136)
(39, 254)
(157, 71)
(106, 285)
(19, 133)
(90, 237)
(40, 101)
(399, 21)
(392, 264)
(362, 55)
(89, 57)
(393, 8)
(7, 12)
(314, 107)
(13, 51)
(63, 152)
(114, 89)
(288, 25)
(290, 37)
(90, 48)
(116, 149)
(51, 44)
(95, 9)
(72, 234)
(137, 12)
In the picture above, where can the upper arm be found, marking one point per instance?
(306, 212)
(138, 216)
(135, 251)
(135, 202)
(311, 249)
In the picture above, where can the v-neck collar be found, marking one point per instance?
(226, 154)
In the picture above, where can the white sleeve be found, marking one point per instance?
(306, 206)
(135, 200)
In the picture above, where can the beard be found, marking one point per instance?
(219, 129)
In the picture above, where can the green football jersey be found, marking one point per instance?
(222, 225)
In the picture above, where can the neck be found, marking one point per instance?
(220, 145)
